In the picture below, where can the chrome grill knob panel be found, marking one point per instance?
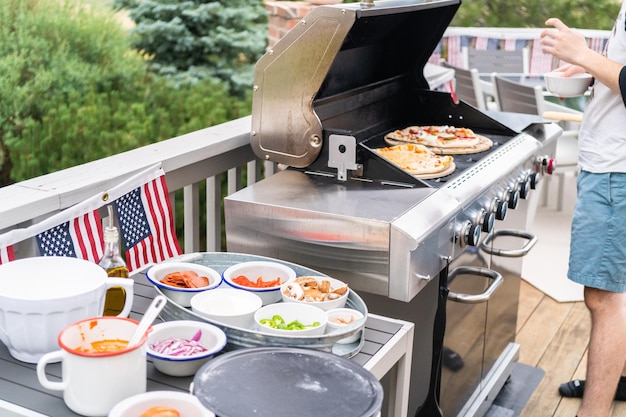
(487, 221)
(534, 180)
(499, 208)
(512, 198)
(524, 187)
(469, 234)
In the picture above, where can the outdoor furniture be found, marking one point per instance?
(387, 349)
(467, 86)
(487, 61)
(521, 98)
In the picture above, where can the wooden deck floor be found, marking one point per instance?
(554, 337)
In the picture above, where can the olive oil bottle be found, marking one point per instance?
(115, 266)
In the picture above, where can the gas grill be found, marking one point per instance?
(324, 97)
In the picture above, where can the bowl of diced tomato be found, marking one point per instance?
(263, 278)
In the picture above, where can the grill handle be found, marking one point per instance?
(475, 271)
(509, 253)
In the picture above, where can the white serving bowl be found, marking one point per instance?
(228, 306)
(212, 338)
(288, 289)
(303, 313)
(561, 86)
(42, 295)
(186, 404)
(267, 270)
(344, 320)
(182, 296)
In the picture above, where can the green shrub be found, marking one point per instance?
(189, 40)
(71, 90)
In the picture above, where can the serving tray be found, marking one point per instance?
(239, 337)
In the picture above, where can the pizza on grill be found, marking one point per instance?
(418, 160)
(441, 139)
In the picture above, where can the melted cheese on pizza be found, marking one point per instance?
(416, 159)
(437, 136)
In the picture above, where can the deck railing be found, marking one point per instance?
(189, 161)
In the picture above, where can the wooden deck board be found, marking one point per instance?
(554, 337)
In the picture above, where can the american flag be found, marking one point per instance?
(146, 223)
(6, 254)
(80, 237)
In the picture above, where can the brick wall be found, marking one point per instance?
(283, 15)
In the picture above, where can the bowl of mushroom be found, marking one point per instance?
(320, 291)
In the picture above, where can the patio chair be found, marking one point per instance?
(467, 86)
(487, 61)
(520, 98)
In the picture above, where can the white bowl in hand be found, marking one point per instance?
(573, 86)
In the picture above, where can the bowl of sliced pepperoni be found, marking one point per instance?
(263, 278)
(180, 281)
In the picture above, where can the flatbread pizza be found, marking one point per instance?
(418, 160)
(441, 139)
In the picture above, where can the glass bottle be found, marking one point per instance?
(115, 266)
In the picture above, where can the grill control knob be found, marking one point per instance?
(487, 219)
(550, 165)
(524, 187)
(534, 180)
(512, 198)
(499, 208)
(470, 234)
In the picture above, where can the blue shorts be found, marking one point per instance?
(598, 240)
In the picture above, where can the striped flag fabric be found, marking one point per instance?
(540, 62)
(453, 56)
(597, 44)
(146, 224)
(482, 43)
(510, 44)
(80, 237)
(6, 254)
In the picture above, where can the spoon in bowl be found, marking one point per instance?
(153, 310)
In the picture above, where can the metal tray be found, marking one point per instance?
(246, 338)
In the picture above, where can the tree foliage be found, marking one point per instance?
(583, 14)
(191, 40)
(72, 91)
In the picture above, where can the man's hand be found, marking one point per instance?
(564, 43)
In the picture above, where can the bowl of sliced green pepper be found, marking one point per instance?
(291, 319)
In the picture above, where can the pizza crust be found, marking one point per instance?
(418, 160)
(451, 168)
(438, 139)
(483, 144)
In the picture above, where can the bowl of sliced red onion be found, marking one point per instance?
(181, 347)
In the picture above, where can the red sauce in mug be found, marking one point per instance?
(103, 346)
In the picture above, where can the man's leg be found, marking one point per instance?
(607, 351)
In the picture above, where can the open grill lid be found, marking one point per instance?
(333, 62)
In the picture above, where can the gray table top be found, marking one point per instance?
(19, 384)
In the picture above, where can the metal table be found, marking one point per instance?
(388, 347)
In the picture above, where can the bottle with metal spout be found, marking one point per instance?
(115, 266)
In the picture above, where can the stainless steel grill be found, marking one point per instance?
(324, 98)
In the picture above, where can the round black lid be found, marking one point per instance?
(286, 382)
